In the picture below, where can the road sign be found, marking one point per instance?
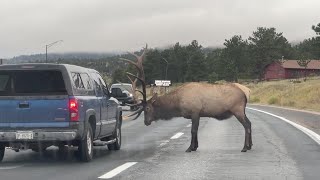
(164, 83)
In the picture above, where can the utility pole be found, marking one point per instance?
(166, 67)
(48, 46)
(165, 88)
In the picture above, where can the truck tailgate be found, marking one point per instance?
(32, 98)
(51, 111)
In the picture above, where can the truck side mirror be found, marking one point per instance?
(105, 91)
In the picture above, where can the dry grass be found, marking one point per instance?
(304, 95)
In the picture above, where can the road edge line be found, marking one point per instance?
(287, 108)
(310, 133)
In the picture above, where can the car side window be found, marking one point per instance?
(103, 83)
(101, 80)
(77, 80)
(86, 81)
(4, 79)
(99, 90)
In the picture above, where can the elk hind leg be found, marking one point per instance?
(249, 131)
(247, 127)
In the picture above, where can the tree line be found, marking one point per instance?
(239, 58)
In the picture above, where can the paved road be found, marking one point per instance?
(280, 151)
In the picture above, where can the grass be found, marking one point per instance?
(303, 95)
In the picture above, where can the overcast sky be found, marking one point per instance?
(26, 26)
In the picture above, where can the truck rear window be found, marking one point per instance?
(31, 83)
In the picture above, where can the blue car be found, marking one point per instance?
(56, 104)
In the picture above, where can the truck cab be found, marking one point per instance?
(56, 104)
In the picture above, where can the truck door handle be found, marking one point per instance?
(24, 105)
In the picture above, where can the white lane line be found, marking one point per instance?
(9, 167)
(176, 136)
(311, 134)
(117, 170)
(189, 125)
(164, 143)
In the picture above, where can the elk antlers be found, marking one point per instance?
(141, 77)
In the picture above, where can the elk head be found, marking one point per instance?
(140, 76)
(149, 110)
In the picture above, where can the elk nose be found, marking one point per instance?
(147, 123)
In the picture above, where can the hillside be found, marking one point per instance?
(58, 56)
(303, 95)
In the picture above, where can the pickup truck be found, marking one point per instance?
(56, 104)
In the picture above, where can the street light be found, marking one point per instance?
(166, 67)
(165, 88)
(48, 46)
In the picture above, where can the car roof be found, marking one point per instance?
(30, 66)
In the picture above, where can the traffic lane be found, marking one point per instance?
(279, 151)
(304, 150)
(307, 119)
(138, 142)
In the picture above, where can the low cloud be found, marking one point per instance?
(104, 26)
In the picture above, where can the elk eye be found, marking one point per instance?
(147, 108)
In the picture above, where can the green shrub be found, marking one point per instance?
(254, 100)
(273, 100)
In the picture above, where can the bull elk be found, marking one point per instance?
(195, 100)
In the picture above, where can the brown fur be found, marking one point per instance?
(207, 100)
(195, 100)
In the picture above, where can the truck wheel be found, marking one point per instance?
(86, 146)
(116, 135)
(2, 149)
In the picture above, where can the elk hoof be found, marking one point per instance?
(191, 149)
(188, 150)
(244, 150)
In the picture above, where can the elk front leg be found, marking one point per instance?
(194, 134)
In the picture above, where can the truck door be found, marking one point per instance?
(111, 107)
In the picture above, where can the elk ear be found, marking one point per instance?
(154, 98)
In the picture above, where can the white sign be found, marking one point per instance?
(24, 135)
(165, 83)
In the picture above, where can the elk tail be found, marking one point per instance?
(245, 90)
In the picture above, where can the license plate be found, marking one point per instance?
(24, 135)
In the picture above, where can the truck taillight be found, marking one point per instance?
(73, 109)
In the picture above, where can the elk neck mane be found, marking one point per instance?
(166, 106)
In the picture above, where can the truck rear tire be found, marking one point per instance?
(86, 146)
(116, 135)
(2, 150)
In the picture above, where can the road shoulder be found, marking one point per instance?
(308, 119)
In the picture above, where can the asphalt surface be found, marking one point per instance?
(280, 151)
